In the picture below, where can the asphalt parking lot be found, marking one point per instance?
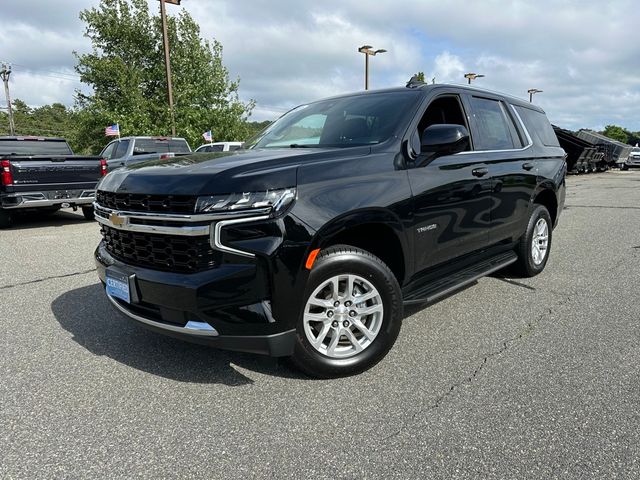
(510, 378)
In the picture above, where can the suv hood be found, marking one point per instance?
(221, 172)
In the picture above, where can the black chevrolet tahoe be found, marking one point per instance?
(309, 243)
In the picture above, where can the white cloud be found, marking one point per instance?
(581, 53)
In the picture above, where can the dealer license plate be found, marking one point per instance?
(118, 285)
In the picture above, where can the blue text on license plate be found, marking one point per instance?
(118, 285)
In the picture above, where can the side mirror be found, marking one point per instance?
(444, 139)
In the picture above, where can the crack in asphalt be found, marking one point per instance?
(528, 330)
(44, 279)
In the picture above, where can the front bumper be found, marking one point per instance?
(35, 199)
(226, 307)
(633, 162)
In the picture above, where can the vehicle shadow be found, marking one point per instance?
(35, 219)
(95, 325)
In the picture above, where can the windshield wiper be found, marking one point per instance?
(300, 145)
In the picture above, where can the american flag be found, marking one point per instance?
(208, 136)
(112, 130)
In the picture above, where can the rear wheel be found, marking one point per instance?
(88, 213)
(5, 219)
(351, 315)
(534, 246)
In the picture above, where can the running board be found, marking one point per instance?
(442, 287)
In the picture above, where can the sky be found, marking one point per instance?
(584, 55)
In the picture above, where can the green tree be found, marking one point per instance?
(126, 71)
(420, 76)
(53, 120)
(617, 133)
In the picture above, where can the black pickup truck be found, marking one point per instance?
(44, 174)
(309, 243)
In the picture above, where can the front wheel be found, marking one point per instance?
(88, 213)
(534, 246)
(351, 314)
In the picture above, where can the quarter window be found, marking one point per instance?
(495, 129)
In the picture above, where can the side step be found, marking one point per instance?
(432, 291)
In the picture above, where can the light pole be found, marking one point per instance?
(531, 92)
(472, 76)
(167, 61)
(368, 51)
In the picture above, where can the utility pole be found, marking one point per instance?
(4, 73)
(167, 61)
(368, 51)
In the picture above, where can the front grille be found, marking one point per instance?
(172, 253)
(137, 202)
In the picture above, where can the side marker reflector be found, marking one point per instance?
(312, 258)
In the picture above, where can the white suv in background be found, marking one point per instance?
(634, 158)
(219, 147)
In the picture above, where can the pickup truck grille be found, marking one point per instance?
(173, 253)
(135, 202)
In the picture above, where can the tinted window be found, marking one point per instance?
(234, 147)
(108, 151)
(492, 124)
(160, 145)
(213, 148)
(121, 149)
(339, 122)
(34, 147)
(538, 126)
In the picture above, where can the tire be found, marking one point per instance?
(354, 349)
(624, 167)
(5, 219)
(530, 264)
(88, 213)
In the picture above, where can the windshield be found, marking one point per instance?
(34, 147)
(339, 122)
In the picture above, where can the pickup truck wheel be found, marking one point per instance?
(535, 245)
(5, 219)
(88, 213)
(351, 314)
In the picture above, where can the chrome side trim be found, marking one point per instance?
(215, 234)
(200, 329)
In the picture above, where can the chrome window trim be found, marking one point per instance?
(524, 129)
(215, 234)
(200, 329)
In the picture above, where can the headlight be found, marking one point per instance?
(276, 200)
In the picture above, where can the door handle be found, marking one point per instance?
(528, 166)
(479, 172)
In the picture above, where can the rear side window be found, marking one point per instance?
(538, 126)
(214, 148)
(495, 129)
(121, 149)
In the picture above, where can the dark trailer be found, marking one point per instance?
(582, 155)
(615, 152)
